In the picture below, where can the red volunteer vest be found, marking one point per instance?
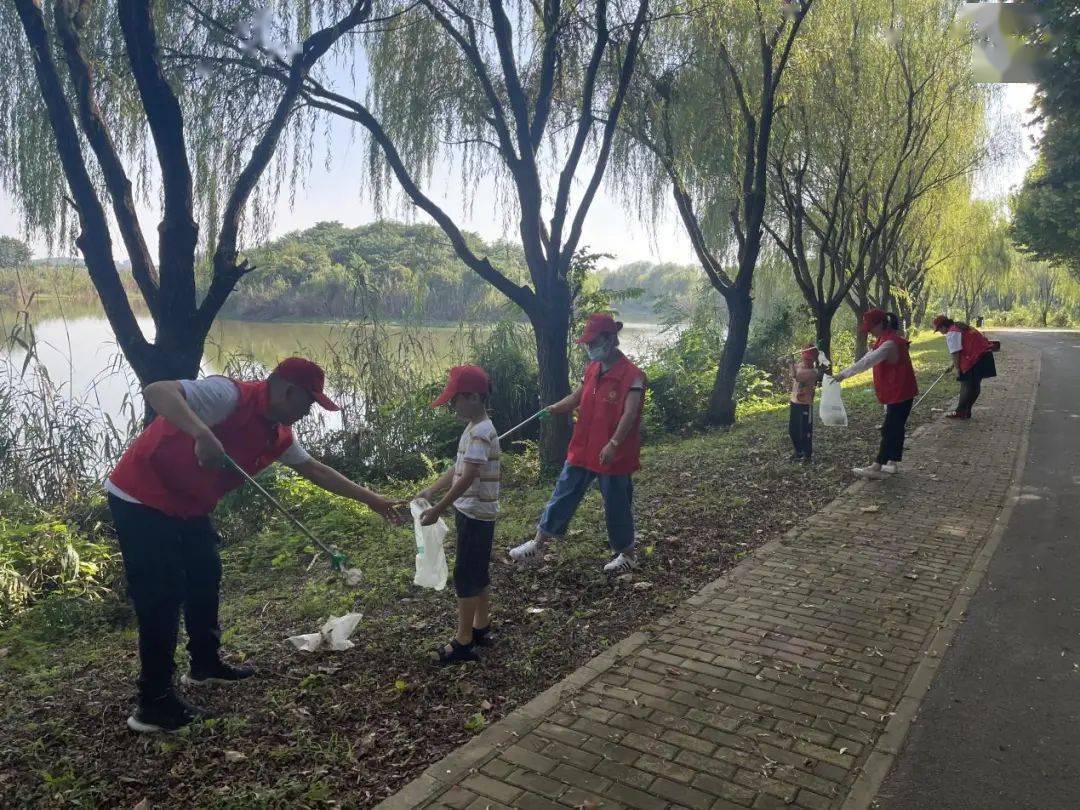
(973, 345)
(160, 469)
(895, 382)
(603, 398)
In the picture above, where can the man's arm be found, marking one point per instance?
(334, 482)
(566, 404)
(631, 409)
(465, 481)
(166, 398)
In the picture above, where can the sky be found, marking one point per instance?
(333, 191)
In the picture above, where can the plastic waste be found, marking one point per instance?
(831, 410)
(333, 635)
(431, 568)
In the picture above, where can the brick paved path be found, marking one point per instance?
(789, 682)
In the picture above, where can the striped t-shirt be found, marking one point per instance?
(479, 444)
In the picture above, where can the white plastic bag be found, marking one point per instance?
(431, 569)
(832, 410)
(334, 634)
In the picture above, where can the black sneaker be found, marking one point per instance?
(218, 672)
(168, 713)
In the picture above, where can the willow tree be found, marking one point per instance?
(100, 120)
(882, 113)
(701, 128)
(526, 95)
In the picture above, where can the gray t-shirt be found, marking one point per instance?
(213, 399)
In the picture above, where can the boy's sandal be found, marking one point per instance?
(460, 654)
(481, 636)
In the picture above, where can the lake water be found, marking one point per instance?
(82, 360)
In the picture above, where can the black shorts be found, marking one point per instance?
(984, 369)
(474, 541)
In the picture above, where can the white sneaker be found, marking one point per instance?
(891, 468)
(869, 473)
(529, 551)
(621, 565)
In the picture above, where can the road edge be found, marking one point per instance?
(889, 745)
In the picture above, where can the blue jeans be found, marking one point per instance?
(573, 483)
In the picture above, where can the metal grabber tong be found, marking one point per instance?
(338, 561)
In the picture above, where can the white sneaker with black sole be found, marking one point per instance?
(622, 564)
(892, 468)
(528, 552)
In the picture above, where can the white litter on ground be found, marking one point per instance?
(334, 634)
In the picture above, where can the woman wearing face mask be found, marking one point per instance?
(604, 448)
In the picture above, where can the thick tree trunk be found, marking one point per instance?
(861, 342)
(552, 335)
(721, 410)
(823, 330)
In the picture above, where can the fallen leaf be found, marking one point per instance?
(486, 705)
(911, 576)
(536, 610)
(642, 586)
(843, 750)
(872, 508)
(235, 756)
(143, 805)
(368, 740)
(400, 685)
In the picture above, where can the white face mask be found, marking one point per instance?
(597, 352)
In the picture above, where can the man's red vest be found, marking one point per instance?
(603, 398)
(160, 469)
(973, 345)
(895, 382)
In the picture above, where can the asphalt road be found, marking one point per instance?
(1000, 727)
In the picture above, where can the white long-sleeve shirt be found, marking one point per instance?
(886, 352)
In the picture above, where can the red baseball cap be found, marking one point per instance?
(599, 323)
(939, 322)
(870, 319)
(464, 380)
(809, 354)
(307, 375)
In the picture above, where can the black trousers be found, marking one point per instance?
(169, 562)
(892, 432)
(801, 429)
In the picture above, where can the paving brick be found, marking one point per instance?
(686, 796)
(624, 773)
(585, 780)
(518, 755)
(536, 783)
(492, 788)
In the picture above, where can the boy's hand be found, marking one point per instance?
(430, 516)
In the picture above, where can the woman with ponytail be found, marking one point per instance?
(894, 384)
(973, 359)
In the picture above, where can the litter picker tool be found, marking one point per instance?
(338, 561)
(931, 388)
(541, 414)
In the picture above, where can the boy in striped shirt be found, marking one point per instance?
(473, 491)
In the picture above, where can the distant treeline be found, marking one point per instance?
(388, 269)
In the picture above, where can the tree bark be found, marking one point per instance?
(552, 335)
(721, 410)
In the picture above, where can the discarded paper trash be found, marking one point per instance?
(431, 568)
(333, 635)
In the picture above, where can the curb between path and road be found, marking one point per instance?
(889, 745)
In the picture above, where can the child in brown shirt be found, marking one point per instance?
(804, 379)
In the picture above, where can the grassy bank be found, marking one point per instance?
(350, 728)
